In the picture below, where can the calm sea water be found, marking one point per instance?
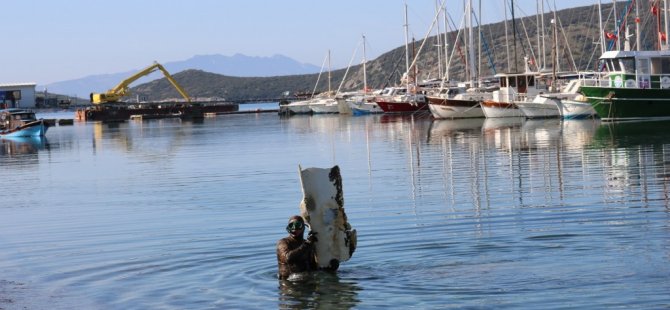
(507, 213)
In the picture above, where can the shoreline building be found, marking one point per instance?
(17, 95)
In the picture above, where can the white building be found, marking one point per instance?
(17, 95)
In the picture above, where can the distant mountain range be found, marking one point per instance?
(237, 65)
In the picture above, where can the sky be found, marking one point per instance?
(47, 41)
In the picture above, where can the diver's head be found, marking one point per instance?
(296, 226)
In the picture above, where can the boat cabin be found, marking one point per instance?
(448, 92)
(12, 118)
(517, 87)
(636, 69)
(393, 91)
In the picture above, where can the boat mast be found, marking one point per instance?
(538, 61)
(514, 37)
(479, 48)
(554, 58)
(558, 63)
(406, 48)
(602, 31)
(438, 44)
(616, 26)
(662, 43)
(506, 33)
(365, 77)
(329, 69)
(471, 49)
(466, 44)
(637, 25)
(544, 48)
(446, 45)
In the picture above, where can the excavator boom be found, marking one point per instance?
(121, 90)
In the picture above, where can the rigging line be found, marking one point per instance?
(525, 30)
(393, 72)
(457, 41)
(319, 77)
(588, 35)
(435, 19)
(344, 78)
(565, 38)
(624, 15)
(599, 67)
(492, 65)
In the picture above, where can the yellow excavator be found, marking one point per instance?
(121, 90)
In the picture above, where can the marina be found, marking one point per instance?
(515, 164)
(506, 212)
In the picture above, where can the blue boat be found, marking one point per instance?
(17, 122)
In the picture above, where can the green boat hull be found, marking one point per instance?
(613, 103)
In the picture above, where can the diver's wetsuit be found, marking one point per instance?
(295, 255)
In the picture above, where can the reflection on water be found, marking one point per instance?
(626, 134)
(318, 291)
(17, 146)
(143, 136)
(481, 213)
(635, 157)
(455, 127)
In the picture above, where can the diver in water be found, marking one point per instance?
(294, 253)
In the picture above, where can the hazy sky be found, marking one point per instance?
(47, 41)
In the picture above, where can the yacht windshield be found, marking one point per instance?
(628, 64)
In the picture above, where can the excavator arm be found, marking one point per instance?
(121, 90)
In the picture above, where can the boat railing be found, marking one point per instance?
(622, 80)
(519, 97)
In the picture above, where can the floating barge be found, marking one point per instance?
(117, 112)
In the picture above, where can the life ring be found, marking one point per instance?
(665, 82)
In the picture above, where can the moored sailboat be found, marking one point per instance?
(399, 100)
(514, 87)
(458, 103)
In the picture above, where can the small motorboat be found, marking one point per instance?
(17, 122)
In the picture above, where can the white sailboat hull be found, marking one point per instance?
(449, 111)
(546, 109)
(496, 109)
(324, 106)
(569, 109)
(299, 107)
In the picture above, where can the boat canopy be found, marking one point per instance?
(637, 62)
(516, 80)
(634, 54)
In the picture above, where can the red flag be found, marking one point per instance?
(654, 9)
